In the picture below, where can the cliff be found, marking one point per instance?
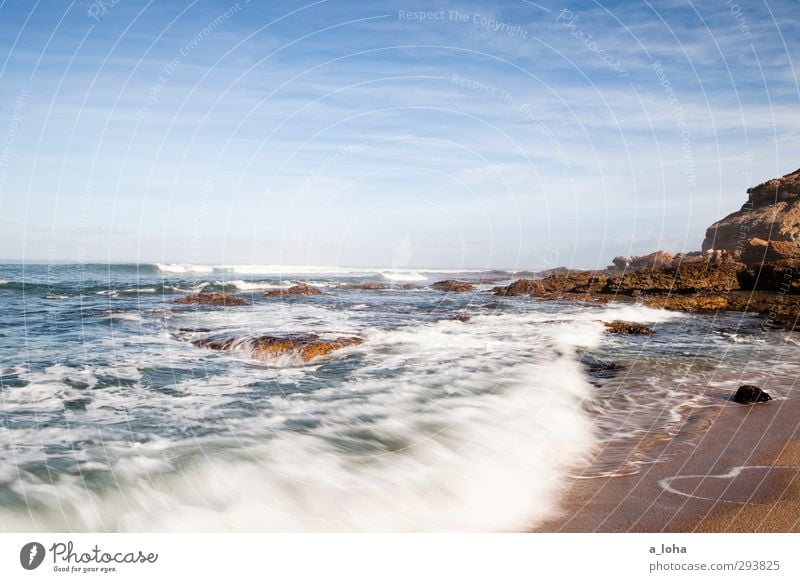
(771, 213)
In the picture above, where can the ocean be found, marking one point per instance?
(111, 419)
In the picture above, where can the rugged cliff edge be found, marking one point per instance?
(771, 213)
(750, 261)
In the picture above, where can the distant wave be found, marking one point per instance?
(182, 269)
(403, 276)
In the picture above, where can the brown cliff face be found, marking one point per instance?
(771, 213)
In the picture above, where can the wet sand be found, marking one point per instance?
(742, 475)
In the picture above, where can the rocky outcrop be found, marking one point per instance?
(453, 286)
(627, 328)
(686, 278)
(749, 394)
(212, 299)
(578, 282)
(777, 276)
(299, 289)
(520, 287)
(689, 303)
(305, 346)
(654, 260)
(758, 251)
(771, 213)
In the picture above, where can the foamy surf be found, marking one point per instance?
(482, 446)
(118, 420)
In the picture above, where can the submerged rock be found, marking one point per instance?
(453, 286)
(749, 394)
(212, 299)
(299, 289)
(305, 346)
(626, 327)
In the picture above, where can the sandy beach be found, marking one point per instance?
(741, 475)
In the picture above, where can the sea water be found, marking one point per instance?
(112, 420)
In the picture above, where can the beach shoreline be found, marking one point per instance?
(741, 475)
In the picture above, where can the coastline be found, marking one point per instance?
(741, 475)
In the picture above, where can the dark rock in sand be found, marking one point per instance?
(748, 394)
(453, 286)
(307, 346)
(299, 289)
(625, 327)
(212, 299)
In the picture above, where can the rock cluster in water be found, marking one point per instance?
(453, 286)
(212, 299)
(299, 289)
(306, 346)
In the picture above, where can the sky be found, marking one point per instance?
(459, 134)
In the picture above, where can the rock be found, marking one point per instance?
(748, 394)
(687, 278)
(620, 263)
(599, 368)
(759, 251)
(689, 303)
(654, 260)
(453, 286)
(212, 299)
(771, 213)
(299, 289)
(624, 327)
(684, 258)
(306, 346)
(577, 282)
(463, 317)
(520, 287)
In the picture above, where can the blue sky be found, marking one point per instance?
(509, 134)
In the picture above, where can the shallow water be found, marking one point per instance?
(112, 420)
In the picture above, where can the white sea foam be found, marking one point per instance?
(403, 276)
(473, 431)
(254, 285)
(182, 269)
